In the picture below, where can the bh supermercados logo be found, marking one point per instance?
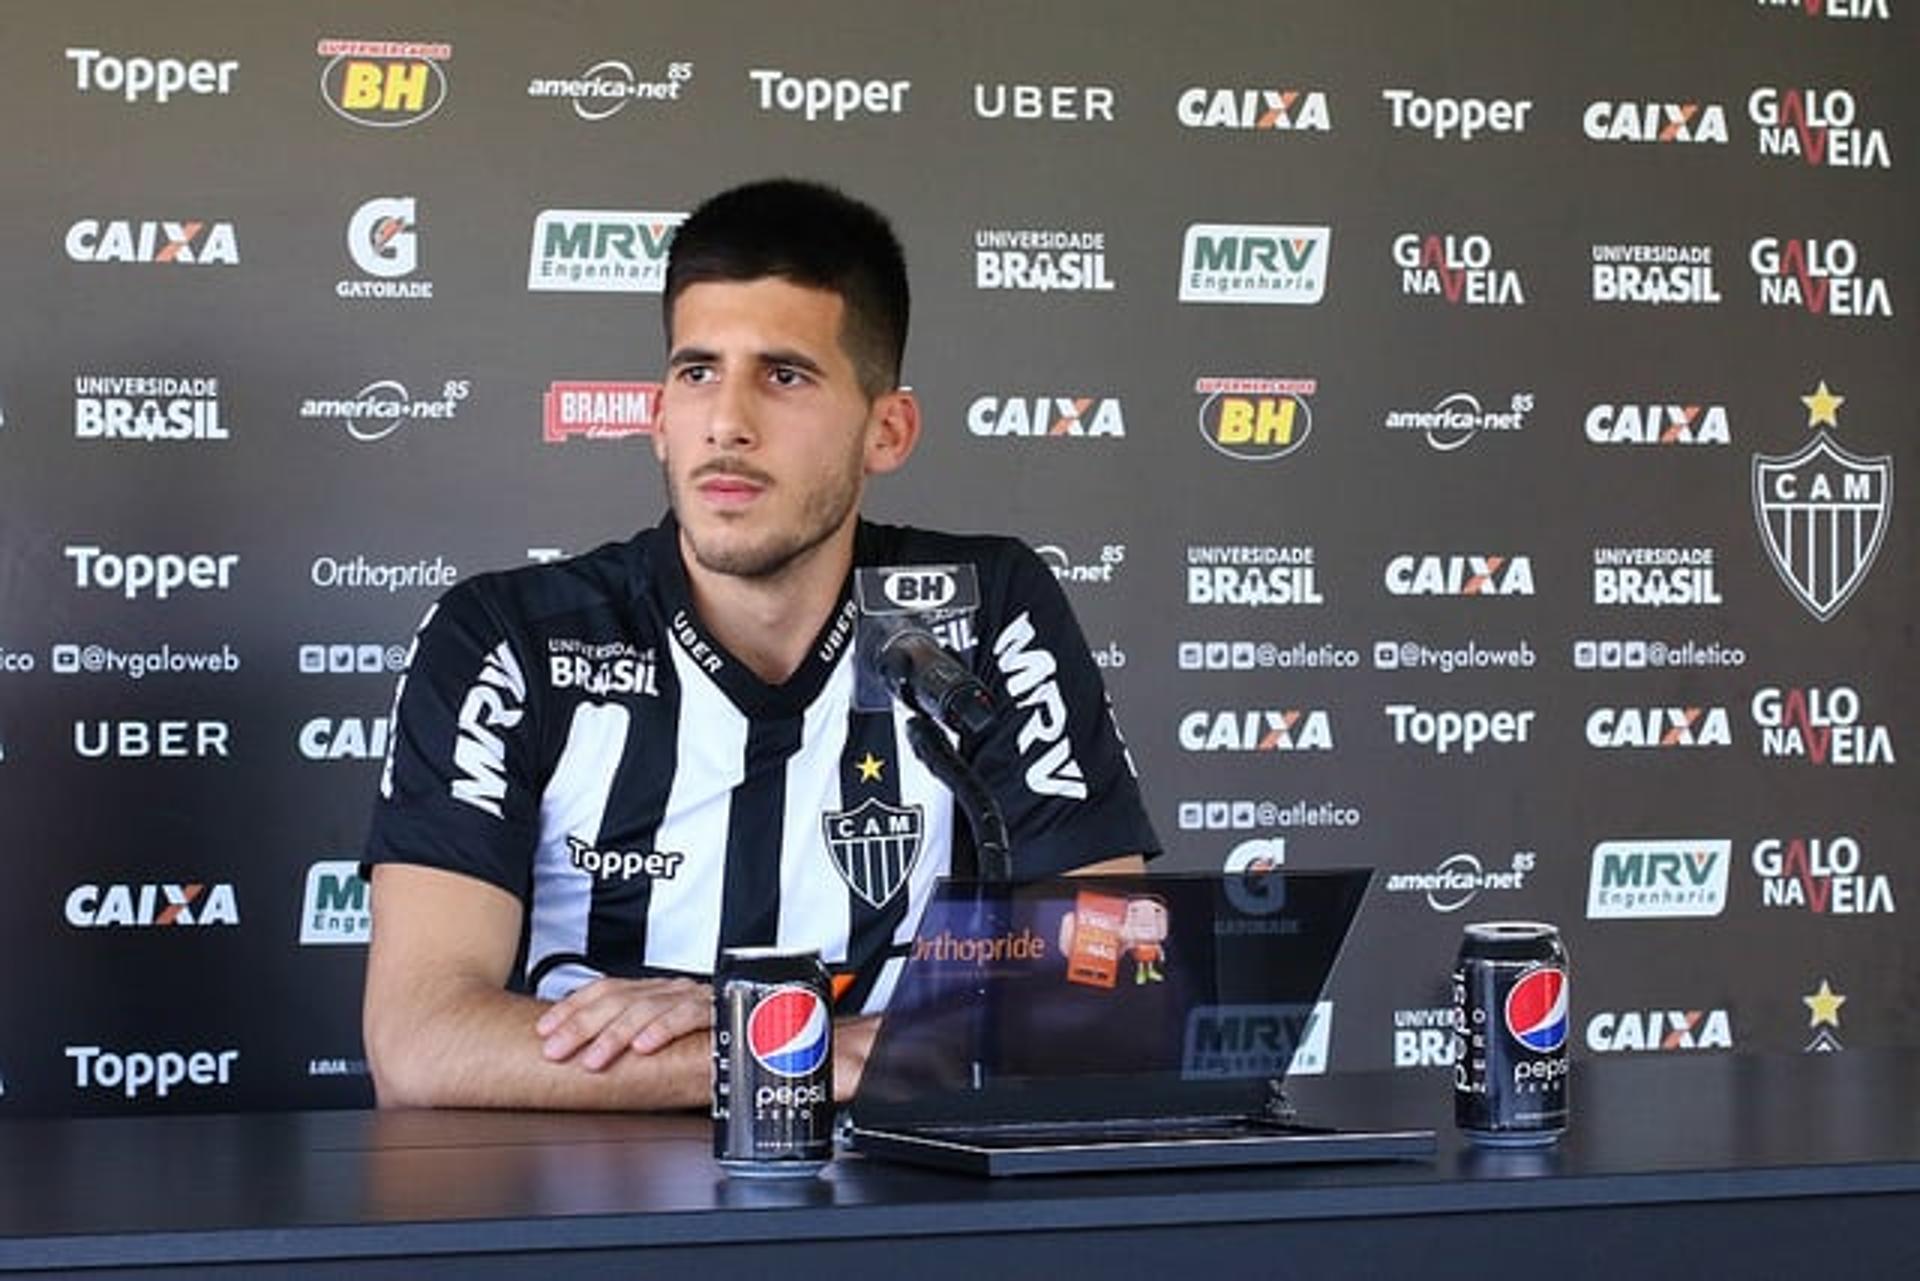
(1822, 511)
(874, 846)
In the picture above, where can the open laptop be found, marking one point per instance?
(1104, 1023)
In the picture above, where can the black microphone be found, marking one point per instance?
(921, 673)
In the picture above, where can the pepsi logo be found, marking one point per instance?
(1536, 1009)
(920, 588)
(788, 1032)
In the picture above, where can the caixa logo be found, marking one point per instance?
(383, 84)
(1046, 416)
(135, 1072)
(196, 243)
(1658, 727)
(345, 738)
(137, 906)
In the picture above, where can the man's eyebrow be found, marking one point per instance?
(692, 356)
(797, 359)
(777, 356)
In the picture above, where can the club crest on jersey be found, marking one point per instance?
(874, 846)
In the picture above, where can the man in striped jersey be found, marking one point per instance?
(605, 771)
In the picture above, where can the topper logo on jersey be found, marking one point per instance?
(610, 86)
(134, 574)
(1816, 125)
(598, 410)
(1819, 875)
(787, 1033)
(497, 700)
(136, 77)
(345, 738)
(1609, 424)
(381, 408)
(1654, 577)
(1046, 416)
(1658, 879)
(383, 84)
(1040, 261)
(1655, 122)
(815, 97)
(601, 250)
(622, 865)
(1240, 263)
(1659, 275)
(1458, 418)
(383, 239)
(874, 846)
(1867, 10)
(1658, 727)
(1279, 110)
(1818, 726)
(140, 906)
(1822, 511)
(1255, 419)
(1609, 1032)
(1052, 769)
(1460, 878)
(188, 244)
(1456, 118)
(1819, 276)
(1249, 575)
(114, 407)
(1536, 1009)
(1441, 575)
(1070, 103)
(1293, 730)
(1459, 269)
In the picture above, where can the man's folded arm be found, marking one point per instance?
(441, 1029)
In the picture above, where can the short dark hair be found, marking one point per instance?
(812, 235)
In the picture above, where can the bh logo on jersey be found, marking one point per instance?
(788, 1031)
(1536, 1009)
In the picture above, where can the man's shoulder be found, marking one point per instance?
(530, 597)
(883, 544)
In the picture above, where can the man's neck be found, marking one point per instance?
(769, 623)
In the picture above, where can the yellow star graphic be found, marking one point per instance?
(1823, 406)
(1825, 1005)
(870, 767)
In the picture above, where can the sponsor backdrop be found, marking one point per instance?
(1472, 437)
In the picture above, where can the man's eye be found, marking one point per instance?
(786, 377)
(695, 373)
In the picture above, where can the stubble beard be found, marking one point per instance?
(767, 557)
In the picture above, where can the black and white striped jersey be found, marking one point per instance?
(572, 734)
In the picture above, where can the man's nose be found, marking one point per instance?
(731, 424)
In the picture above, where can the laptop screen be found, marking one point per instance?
(1106, 997)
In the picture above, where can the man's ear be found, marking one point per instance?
(893, 429)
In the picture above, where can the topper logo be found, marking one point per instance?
(919, 588)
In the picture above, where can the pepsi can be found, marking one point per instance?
(1510, 1021)
(772, 1063)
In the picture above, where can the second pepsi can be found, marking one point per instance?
(1510, 1022)
(772, 1063)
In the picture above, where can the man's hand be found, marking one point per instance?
(852, 1042)
(601, 1020)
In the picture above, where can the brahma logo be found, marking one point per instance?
(1041, 261)
(1654, 577)
(1609, 1032)
(1818, 726)
(1458, 269)
(383, 84)
(1258, 576)
(598, 410)
(610, 86)
(1658, 879)
(1458, 418)
(115, 407)
(1046, 416)
(1822, 511)
(1819, 875)
(334, 909)
(1294, 730)
(1696, 424)
(788, 1031)
(1818, 127)
(198, 243)
(1657, 275)
(1655, 122)
(1658, 727)
(601, 251)
(1822, 277)
(1443, 575)
(130, 906)
(1461, 878)
(383, 239)
(1255, 419)
(1276, 110)
(1052, 769)
(381, 408)
(1239, 263)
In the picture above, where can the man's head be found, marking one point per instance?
(814, 236)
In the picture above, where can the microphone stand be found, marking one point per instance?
(991, 848)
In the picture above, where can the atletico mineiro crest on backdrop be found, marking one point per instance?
(1822, 511)
(874, 846)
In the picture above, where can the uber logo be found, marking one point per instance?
(1043, 102)
(134, 740)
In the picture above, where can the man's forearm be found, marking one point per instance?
(468, 1045)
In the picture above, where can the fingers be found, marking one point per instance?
(602, 1020)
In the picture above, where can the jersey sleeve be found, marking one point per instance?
(460, 788)
(1053, 758)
